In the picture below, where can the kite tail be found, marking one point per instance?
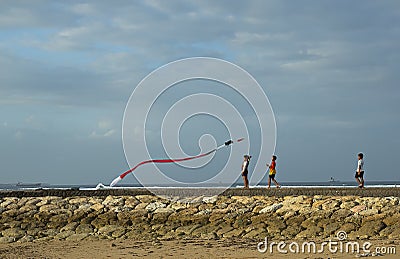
(119, 178)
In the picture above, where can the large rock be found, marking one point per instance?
(65, 234)
(291, 231)
(271, 208)
(275, 225)
(112, 201)
(6, 240)
(26, 239)
(84, 229)
(70, 226)
(387, 231)
(145, 198)
(243, 199)
(187, 230)
(392, 220)
(395, 235)
(295, 221)
(340, 214)
(131, 202)
(369, 229)
(78, 200)
(49, 208)
(332, 227)
(97, 207)
(310, 232)
(348, 227)
(110, 229)
(204, 230)
(155, 205)
(358, 208)
(211, 199)
(369, 212)
(331, 205)
(15, 233)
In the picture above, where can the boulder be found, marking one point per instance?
(340, 214)
(15, 233)
(112, 201)
(97, 207)
(70, 226)
(6, 240)
(211, 199)
(367, 230)
(155, 205)
(84, 229)
(310, 232)
(271, 208)
(64, 234)
(392, 220)
(368, 212)
(358, 208)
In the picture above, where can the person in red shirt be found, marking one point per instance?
(272, 173)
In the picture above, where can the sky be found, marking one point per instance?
(329, 68)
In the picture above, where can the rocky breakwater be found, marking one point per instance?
(154, 218)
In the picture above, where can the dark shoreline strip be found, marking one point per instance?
(367, 192)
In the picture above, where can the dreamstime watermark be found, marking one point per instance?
(221, 101)
(339, 245)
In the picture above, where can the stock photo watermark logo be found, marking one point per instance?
(340, 245)
(221, 100)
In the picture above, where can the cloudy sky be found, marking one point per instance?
(329, 68)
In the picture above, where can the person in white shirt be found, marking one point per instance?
(245, 170)
(360, 170)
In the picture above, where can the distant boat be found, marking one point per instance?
(28, 185)
(332, 180)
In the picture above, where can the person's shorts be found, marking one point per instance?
(271, 176)
(245, 173)
(361, 174)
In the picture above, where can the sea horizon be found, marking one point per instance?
(292, 184)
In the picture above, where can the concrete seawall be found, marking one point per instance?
(367, 192)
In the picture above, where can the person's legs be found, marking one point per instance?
(269, 182)
(362, 179)
(245, 181)
(357, 176)
(276, 183)
(358, 181)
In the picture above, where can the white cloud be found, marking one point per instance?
(104, 124)
(30, 119)
(18, 135)
(106, 134)
(104, 129)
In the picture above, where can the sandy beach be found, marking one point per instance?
(192, 248)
